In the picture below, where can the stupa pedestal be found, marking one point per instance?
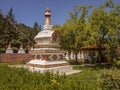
(49, 58)
(46, 54)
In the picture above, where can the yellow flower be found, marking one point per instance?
(53, 81)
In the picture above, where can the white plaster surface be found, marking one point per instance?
(44, 62)
(9, 50)
(21, 50)
(44, 33)
(67, 56)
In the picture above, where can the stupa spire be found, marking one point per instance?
(47, 15)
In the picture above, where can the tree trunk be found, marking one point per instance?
(100, 55)
(76, 58)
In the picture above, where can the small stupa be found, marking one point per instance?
(9, 49)
(47, 54)
(21, 50)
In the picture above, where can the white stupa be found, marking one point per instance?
(9, 49)
(47, 54)
(21, 50)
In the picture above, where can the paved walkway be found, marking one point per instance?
(72, 72)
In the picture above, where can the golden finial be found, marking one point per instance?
(47, 15)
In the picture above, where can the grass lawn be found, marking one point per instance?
(22, 79)
(88, 76)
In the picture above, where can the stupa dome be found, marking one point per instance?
(47, 36)
(44, 33)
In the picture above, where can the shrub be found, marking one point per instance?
(73, 62)
(22, 79)
(109, 79)
(117, 62)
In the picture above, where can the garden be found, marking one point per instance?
(95, 77)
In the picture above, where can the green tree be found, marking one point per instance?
(73, 30)
(103, 30)
(2, 27)
(56, 27)
(16, 34)
(8, 30)
(26, 35)
(36, 27)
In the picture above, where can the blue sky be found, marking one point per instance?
(30, 11)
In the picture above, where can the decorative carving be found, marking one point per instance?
(58, 57)
(41, 57)
(50, 57)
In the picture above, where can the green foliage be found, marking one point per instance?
(73, 62)
(22, 79)
(117, 62)
(73, 30)
(103, 30)
(73, 35)
(96, 77)
(100, 29)
(14, 78)
(56, 27)
(26, 35)
(109, 79)
(16, 34)
(8, 31)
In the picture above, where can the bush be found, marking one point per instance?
(2, 50)
(22, 79)
(109, 79)
(73, 62)
(117, 62)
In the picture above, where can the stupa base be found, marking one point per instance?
(54, 66)
(47, 64)
(67, 70)
(60, 69)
